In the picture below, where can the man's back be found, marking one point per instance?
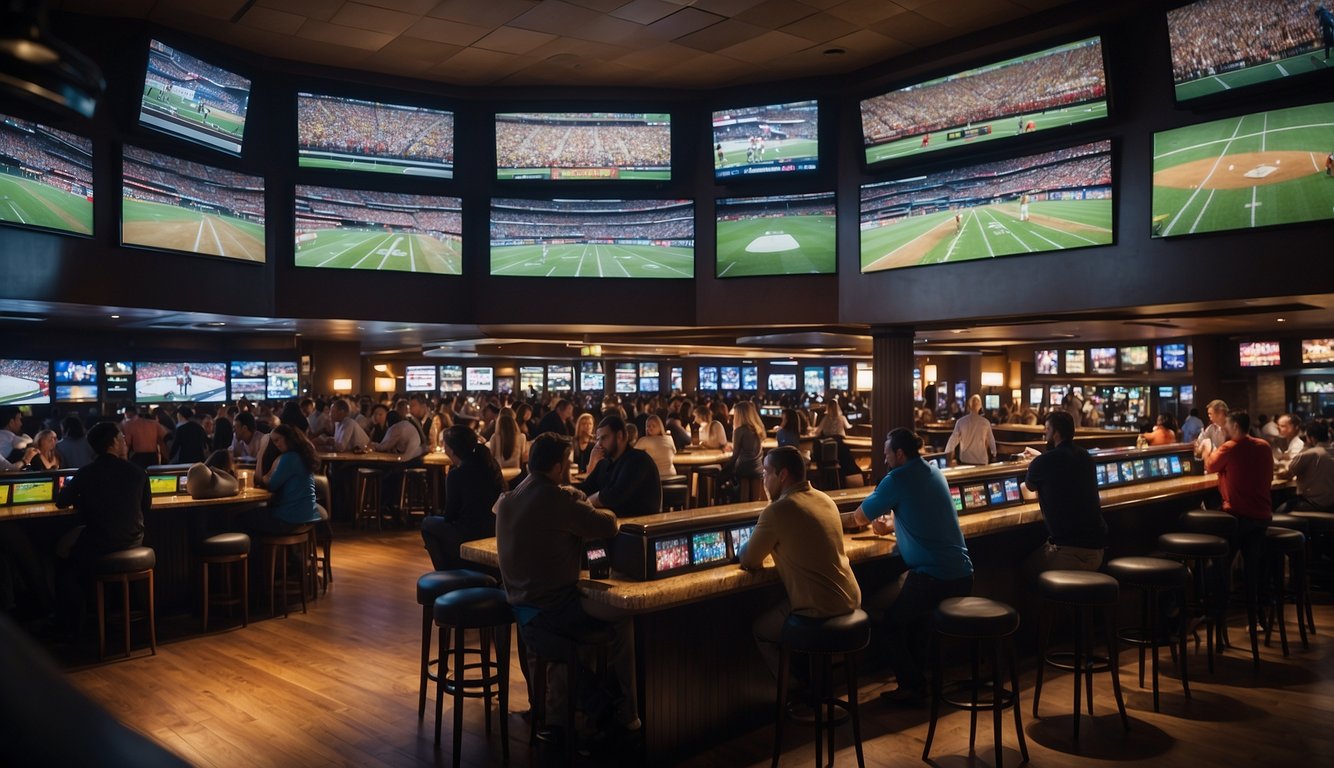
(801, 529)
(111, 496)
(190, 443)
(1067, 488)
(540, 530)
(1313, 469)
(1245, 470)
(972, 435)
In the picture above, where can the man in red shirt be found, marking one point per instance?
(1245, 467)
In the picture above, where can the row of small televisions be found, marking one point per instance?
(18, 490)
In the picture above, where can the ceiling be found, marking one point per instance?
(645, 43)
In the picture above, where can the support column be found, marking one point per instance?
(892, 400)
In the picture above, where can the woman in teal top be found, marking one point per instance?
(291, 481)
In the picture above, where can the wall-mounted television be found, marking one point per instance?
(782, 382)
(118, 379)
(813, 381)
(355, 135)
(46, 177)
(531, 378)
(648, 370)
(451, 378)
(1074, 361)
(1255, 170)
(481, 379)
(675, 377)
(1174, 357)
(593, 238)
(1135, 359)
(776, 235)
(838, 378)
(361, 229)
(1259, 354)
(419, 378)
(1054, 201)
(592, 376)
(1046, 362)
(729, 378)
(178, 205)
(626, 378)
(25, 382)
(766, 140)
(192, 99)
(1220, 46)
(584, 146)
(560, 378)
(282, 380)
(180, 382)
(708, 378)
(1102, 360)
(76, 381)
(1317, 351)
(1020, 96)
(750, 378)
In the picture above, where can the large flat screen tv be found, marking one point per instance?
(282, 381)
(593, 238)
(177, 205)
(1317, 351)
(776, 235)
(192, 99)
(584, 146)
(1255, 170)
(46, 177)
(1223, 45)
(355, 135)
(347, 229)
(25, 382)
(76, 381)
(1020, 96)
(119, 379)
(766, 140)
(1259, 354)
(180, 382)
(1049, 202)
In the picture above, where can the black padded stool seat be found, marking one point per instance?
(974, 617)
(1281, 539)
(1078, 587)
(134, 564)
(125, 561)
(1316, 522)
(429, 587)
(1153, 576)
(225, 544)
(822, 640)
(485, 609)
(978, 621)
(1292, 522)
(1083, 593)
(226, 550)
(1193, 544)
(1214, 521)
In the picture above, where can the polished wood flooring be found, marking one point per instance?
(338, 686)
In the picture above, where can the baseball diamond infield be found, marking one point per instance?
(1237, 171)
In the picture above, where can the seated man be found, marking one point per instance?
(541, 528)
(1313, 469)
(404, 438)
(621, 478)
(800, 528)
(1067, 488)
(913, 500)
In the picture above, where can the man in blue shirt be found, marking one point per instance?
(913, 502)
(1192, 426)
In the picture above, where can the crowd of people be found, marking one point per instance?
(163, 179)
(54, 158)
(760, 208)
(1212, 37)
(376, 130)
(168, 67)
(671, 220)
(533, 144)
(1061, 79)
(419, 214)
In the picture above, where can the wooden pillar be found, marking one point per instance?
(892, 401)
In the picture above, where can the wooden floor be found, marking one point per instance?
(338, 686)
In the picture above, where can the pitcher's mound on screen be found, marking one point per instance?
(773, 242)
(1246, 169)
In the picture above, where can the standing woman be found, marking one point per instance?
(507, 444)
(471, 488)
(583, 440)
(747, 442)
(291, 483)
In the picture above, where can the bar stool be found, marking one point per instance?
(1212, 521)
(822, 640)
(976, 620)
(706, 484)
(414, 492)
(299, 538)
(549, 648)
(123, 567)
(752, 488)
(1201, 551)
(827, 467)
(429, 587)
(368, 496)
(1084, 592)
(675, 492)
(1303, 525)
(322, 547)
(1320, 554)
(1283, 543)
(1153, 576)
(486, 609)
(227, 550)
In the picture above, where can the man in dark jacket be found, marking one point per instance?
(621, 478)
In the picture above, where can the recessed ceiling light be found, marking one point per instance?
(115, 317)
(1281, 319)
(217, 324)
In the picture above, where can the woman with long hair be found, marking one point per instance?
(747, 445)
(789, 429)
(472, 486)
(291, 483)
(508, 444)
(73, 448)
(711, 433)
(658, 444)
(43, 452)
(583, 440)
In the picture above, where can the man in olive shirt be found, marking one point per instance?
(802, 530)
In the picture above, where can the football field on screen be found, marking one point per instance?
(378, 249)
(159, 225)
(986, 231)
(183, 109)
(776, 246)
(734, 151)
(1250, 171)
(25, 201)
(593, 260)
(1000, 128)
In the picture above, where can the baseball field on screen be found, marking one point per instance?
(790, 245)
(24, 201)
(1256, 170)
(158, 225)
(1001, 128)
(593, 260)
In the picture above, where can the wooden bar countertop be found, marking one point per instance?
(176, 501)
